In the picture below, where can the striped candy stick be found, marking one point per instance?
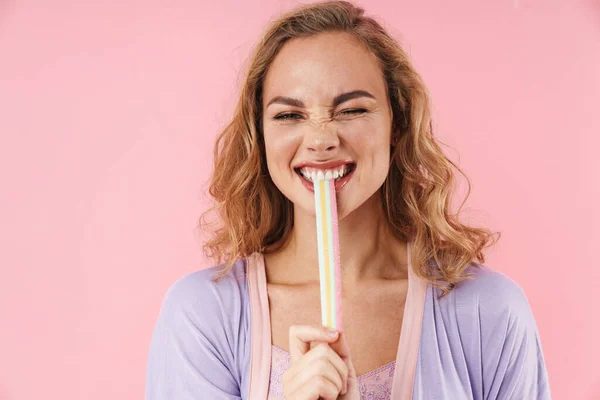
(329, 253)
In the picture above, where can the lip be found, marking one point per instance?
(339, 184)
(326, 165)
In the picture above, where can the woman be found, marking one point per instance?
(329, 90)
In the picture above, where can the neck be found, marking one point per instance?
(368, 249)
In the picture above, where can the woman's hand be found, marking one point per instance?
(320, 366)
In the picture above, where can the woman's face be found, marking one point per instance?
(325, 108)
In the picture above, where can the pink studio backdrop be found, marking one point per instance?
(108, 112)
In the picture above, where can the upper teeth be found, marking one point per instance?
(313, 174)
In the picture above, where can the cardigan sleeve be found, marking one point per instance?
(197, 344)
(513, 359)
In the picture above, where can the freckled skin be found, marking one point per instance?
(315, 70)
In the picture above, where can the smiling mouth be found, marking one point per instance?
(312, 174)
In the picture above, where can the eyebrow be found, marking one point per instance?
(339, 99)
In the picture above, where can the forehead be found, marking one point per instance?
(322, 66)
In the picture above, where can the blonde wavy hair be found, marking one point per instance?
(254, 216)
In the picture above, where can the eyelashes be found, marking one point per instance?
(293, 116)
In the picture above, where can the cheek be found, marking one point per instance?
(371, 139)
(280, 147)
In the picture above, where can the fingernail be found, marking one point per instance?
(332, 332)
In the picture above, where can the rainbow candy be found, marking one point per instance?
(329, 253)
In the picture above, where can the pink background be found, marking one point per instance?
(108, 112)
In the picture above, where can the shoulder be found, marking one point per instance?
(493, 292)
(202, 285)
(492, 299)
(200, 293)
(198, 310)
(217, 310)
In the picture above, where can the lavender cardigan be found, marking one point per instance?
(213, 340)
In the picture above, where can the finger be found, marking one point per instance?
(321, 356)
(342, 349)
(302, 335)
(308, 377)
(341, 346)
(335, 360)
(320, 388)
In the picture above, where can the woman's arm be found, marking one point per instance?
(192, 351)
(512, 356)
(481, 342)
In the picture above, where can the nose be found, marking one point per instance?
(322, 140)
